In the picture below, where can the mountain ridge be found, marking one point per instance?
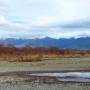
(70, 43)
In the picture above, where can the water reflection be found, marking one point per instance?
(68, 76)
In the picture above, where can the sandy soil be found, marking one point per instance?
(13, 75)
(61, 64)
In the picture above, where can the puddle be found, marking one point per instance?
(68, 76)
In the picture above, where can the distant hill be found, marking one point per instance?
(79, 43)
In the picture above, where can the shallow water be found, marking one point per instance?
(82, 77)
(60, 74)
(68, 76)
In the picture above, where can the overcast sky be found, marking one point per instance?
(42, 18)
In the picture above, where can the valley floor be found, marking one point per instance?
(56, 64)
(16, 75)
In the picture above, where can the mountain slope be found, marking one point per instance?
(80, 43)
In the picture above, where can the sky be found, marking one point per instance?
(44, 18)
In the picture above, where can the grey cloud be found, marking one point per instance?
(73, 25)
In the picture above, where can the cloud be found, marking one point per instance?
(63, 10)
(2, 20)
(10, 24)
(41, 18)
(80, 24)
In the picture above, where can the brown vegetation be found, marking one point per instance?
(27, 53)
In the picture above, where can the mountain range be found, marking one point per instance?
(71, 43)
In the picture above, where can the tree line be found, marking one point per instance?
(26, 50)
